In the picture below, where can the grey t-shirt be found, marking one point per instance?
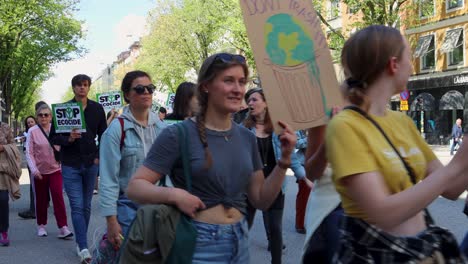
(235, 158)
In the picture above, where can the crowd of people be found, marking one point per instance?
(364, 180)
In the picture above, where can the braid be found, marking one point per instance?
(202, 134)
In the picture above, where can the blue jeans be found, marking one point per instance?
(221, 244)
(79, 185)
(325, 240)
(464, 246)
(126, 212)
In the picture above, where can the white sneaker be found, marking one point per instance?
(85, 257)
(41, 231)
(65, 233)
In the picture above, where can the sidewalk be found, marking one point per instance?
(442, 152)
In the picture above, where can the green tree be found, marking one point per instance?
(383, 12)
(183, 34)
(34, 35)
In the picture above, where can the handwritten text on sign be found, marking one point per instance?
(293, 61)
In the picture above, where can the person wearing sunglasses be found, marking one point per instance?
(122, 153)
(47, 174)
(80, 161)
(225, 165)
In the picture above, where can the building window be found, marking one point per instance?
(454, 4)
(426, 8)
(334, 10)
(455, 57)
(425, 50)
(453, 47)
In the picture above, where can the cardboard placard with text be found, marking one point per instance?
(110, 100)
(293, 61)
(68, 116)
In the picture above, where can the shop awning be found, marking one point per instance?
(423, 102)
(423, 45)
(395, 98)
(452, 100)
(451, 39)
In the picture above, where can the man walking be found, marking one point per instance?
(80, 159)
(457, 135)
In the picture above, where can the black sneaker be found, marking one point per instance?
(269, 248)
(27, 215)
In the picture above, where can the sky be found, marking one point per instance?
(111, 27)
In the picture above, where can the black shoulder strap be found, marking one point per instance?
(407, 166)
(428, 217)
(48, 139)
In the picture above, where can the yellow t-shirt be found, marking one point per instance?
(354, 145)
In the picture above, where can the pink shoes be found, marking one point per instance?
(4, 241)
(65, 233)
(41, 231)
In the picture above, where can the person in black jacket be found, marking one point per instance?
(80, 162)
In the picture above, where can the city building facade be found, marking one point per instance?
(438, 35)
(439, 85)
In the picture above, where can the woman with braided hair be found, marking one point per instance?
(226, 168)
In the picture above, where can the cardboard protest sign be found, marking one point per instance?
(293, 61)
(68, 116)
(110, 100)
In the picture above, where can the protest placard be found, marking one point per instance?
(68, 116)
(110, 100)
(293, 61)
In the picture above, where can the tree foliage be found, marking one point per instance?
(392, 13)
(34, 35)
(186, 32)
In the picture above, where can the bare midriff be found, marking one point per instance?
(219, 215)
(410, 227)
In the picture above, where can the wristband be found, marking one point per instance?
(283, 164)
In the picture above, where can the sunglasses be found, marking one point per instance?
(43, 115)
(140, 89)
(227, 57)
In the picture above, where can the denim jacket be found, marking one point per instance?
(117, 165)
(296, 166)
(301, 145)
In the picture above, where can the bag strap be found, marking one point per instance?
(407, 166)
(48, 139)
(122, 137)
(428, 217)
(185, 153)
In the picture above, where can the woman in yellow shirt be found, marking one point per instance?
(383, 196)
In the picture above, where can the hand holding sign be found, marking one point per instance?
(74, 134)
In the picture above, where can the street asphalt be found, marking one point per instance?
(26, 247)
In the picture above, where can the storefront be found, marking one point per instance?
(436, 101)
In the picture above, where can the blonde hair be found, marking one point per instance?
(365, 56)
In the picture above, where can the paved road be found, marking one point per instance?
(26, 247)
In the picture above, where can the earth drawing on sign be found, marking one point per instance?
(293, 60)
